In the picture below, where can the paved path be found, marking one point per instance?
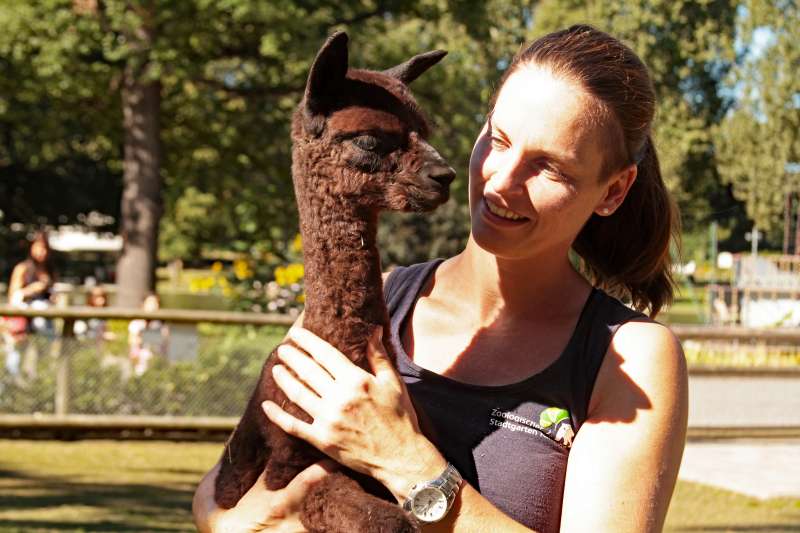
(736, 401)
(764, 469)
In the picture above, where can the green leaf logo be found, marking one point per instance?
(552, 415)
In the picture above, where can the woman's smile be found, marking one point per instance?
(500, 215)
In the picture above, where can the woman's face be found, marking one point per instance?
(39, 251)
(534, 170)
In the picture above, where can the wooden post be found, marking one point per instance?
(63, 366)
(797, 227)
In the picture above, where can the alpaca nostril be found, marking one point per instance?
(441, 174)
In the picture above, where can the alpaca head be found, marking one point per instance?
(360, 137)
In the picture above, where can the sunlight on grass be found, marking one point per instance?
(148, 486)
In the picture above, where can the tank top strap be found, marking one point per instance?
(402, 286)
(592, 339)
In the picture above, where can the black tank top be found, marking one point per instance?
(510, 442)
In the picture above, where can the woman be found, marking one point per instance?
(565, 408)
(32, 279)
(30, 286)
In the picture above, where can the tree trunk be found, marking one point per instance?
(787, 222)
(141, 196)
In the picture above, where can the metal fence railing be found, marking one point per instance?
(196, 365)
(118, 362)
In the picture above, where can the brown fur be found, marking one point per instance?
(358, 148)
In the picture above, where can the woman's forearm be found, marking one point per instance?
(470, 512)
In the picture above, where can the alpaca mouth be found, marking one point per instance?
(427, 196)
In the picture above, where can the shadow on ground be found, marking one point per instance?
(37, 503)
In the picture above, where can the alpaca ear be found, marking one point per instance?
(414, 67)
(327, 74)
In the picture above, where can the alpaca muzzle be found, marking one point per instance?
(434, 167)
(441, 174)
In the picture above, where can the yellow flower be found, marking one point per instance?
(295, 271)
(297, 244)
(194, 285)
(216, 266)
(280, 275)
(289, 274)
(241, 269)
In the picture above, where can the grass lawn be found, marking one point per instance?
(147, 486)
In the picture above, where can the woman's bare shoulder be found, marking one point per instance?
(645, 358)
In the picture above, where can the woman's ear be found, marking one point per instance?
(616, 189)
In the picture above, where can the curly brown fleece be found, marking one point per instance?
(358, 147)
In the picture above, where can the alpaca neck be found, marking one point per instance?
(344, 292)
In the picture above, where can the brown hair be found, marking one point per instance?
(42, 237)
(628, 252)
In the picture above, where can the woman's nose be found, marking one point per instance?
(508, 177)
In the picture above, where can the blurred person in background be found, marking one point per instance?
(93, 328)
(147, 338)
(30, 286)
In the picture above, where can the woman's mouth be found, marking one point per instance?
(497, 212)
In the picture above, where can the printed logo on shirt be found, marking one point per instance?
(553, 422)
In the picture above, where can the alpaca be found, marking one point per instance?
(358, 147)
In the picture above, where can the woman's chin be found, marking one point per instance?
(498, 245)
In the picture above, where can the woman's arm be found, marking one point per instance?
(18, 291)
(15, 284)
(624, 460)
(259, 509)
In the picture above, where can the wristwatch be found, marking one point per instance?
(430, 501)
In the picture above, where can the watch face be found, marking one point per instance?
(429, 505)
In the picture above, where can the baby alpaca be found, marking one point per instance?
(358, 147)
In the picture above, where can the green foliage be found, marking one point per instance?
(232, 71)
(759, 141)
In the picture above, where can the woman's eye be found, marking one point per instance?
(556, 173)
(499, 144)
(369, 143)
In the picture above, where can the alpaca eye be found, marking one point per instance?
(369, 143)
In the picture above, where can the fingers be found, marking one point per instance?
(288, 423)
(378, 359)
(296, 390)
(306, 368)
(295, 492)
(311, 475)
(331, 359)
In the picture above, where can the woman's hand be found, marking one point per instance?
(364, 421)
(259, 509)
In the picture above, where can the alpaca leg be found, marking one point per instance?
(289, 457)
(338, 504)
(242, 462)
